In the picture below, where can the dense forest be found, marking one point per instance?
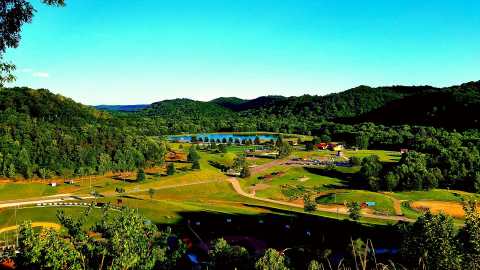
(455, 107)
(43, 135)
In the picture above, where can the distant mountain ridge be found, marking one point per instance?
(122, 108)
(453, 107)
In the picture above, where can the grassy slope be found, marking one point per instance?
(212, 194)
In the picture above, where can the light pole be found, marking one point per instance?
(335, 199)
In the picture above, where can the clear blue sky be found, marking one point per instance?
(128, 52)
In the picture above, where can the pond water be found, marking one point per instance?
(219, 137)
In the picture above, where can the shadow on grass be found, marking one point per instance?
(347, 180)
(283, 230)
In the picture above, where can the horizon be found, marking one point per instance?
(88, 51)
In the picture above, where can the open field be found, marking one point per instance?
(286, 175)
(385, 156)
(166, 199)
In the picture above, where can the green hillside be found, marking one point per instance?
(452, 107)
(45, 106)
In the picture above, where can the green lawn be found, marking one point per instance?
(13, 191)
(435, 195)
(292, 176)
(207, 190)
(383, 203)
(385, 156)
(43, 214)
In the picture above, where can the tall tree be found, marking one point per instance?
(470, 236)
(431, 240)
(271, 260)
(141, 175)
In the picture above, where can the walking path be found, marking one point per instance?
(46, 199)
(236, 186)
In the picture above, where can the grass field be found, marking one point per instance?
(383, 203)
(207, 190)
(12, 191)
(272, 188)
(385, 156)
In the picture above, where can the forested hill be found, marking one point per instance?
(122, 108)
(231, 103)
(238, 105)
(452, 107)
(186, 108)
(349, 103)
(45, 135)
(45, 106)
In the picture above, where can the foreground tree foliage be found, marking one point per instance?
(121, 240)
(470, 236)
(271, 260)
(126, 240)
(431, 241)
(225, 256)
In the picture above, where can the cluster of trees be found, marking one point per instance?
(45, 135)
(419, 171)
(434, 242)
(230, 140)
(123, 240)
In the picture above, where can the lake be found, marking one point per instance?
(219, 137)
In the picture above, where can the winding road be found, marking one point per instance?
(236, 186)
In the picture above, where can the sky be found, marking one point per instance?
(142, 51)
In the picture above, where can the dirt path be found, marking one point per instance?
(47, 225)
(397, 204)
(266, 166)
(341, 210)
(236, 186)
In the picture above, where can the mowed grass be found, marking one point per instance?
(13, 191)
(384, 156)
(10, 217)
(383, 203)
(291, 176)
(436, 195)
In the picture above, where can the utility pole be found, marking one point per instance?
(16, 227)
(335, 196)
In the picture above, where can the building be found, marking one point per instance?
(321, 146)
(335, 146)
(232, 172)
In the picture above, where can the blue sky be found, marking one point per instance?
(129, 52)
